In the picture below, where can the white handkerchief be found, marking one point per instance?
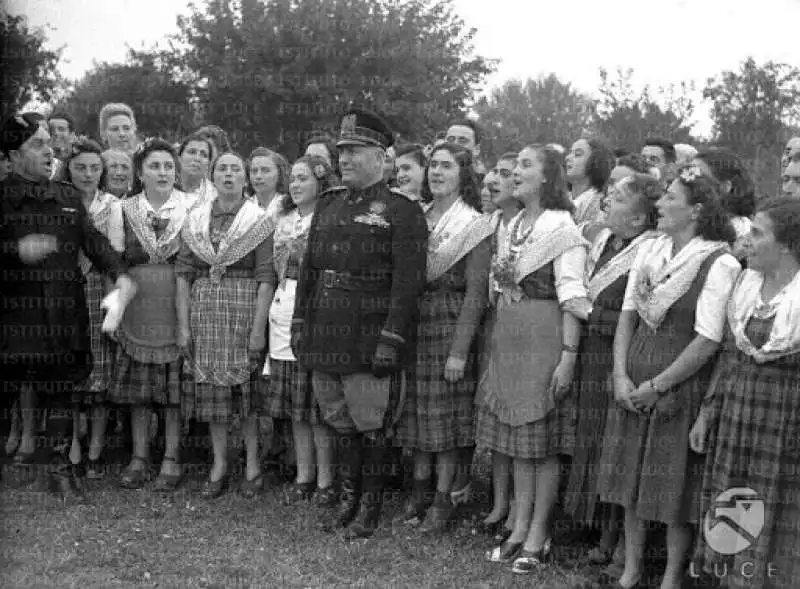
(114, 309)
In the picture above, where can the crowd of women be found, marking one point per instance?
(632, 317)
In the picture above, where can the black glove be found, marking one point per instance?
(297, 339)
(386, 360)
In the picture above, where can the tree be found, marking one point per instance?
(545, 110)
(752, 111)
(273, 72)
(625, 118)
(148, 82)
(29, 70)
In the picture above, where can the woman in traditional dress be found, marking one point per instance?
(669, 329)
(589, 164)
(630, 219)
(195, 157)
(736, 187)
(289, 397)
(525, 410)
(222, 300)
(117, 127)
(268, 179)
(149, 365)
(84, 169)
(119, 173)
(501, 192)
(438, 414)
(411, 163)
(749, 425)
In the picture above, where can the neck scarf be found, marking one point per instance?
(617, 266)
(139, 214)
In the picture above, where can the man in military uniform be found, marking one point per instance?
(357, 298)
(44, 335)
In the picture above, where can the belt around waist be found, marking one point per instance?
(334, 279)
(229, 273)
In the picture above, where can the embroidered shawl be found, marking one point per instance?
(291, 237)
(588, 207)
(663, 279)
(250, 227)
(784, 337)
(161, 248)
(616, 267)
(105, 212)
(456, 234)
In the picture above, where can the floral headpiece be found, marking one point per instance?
(319, 171)
(690, 174)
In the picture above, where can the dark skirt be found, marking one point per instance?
(139, 383)
(438, 415)
(288, 393)
(93, 389)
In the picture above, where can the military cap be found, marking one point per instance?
(18, 129)
(361, 127)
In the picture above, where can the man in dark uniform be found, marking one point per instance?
(357, 297)
(44, 336)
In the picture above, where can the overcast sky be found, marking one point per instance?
(664, 41)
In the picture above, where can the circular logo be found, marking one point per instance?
(734, 521)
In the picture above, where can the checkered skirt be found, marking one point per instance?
(144, 383)
(438, 415)
(757, 445)
(288, 393)
(96, 385)
(221, 319)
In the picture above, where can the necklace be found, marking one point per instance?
(514, 236)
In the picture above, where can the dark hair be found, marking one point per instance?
(64, 116)
(509, 155)
(468, 184)
(476, 129)
(554, 195)
(599, 164)
(713, 223)
(647, 191)
(217, 136)
(282, 187)
(326, 178)
(666, 146)
(79, 147)
(620, 152)
(329, 144)
(636, 162)
(200, 139)
(440, 135)
(145, 149)
(727, 167)
(784, 213)
(415, 150)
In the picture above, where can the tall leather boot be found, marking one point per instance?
(372, 487)
(351, 457)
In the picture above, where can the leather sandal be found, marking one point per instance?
(167, 483)
(505, 553)
(529, 561)
(135, 478)
(213, 489)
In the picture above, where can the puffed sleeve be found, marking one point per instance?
(629, 302)
(569, 273)
(98, 248)
(710, 313)
(116, 226)
(186, 262)
(265, 269)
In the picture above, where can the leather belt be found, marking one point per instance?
(334, 279)
(229, 273)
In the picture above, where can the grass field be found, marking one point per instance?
(141, 539)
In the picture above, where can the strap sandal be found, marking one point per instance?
(213, 489)
(529, 561)
(505, 552)
(135, 478)
(167, 483)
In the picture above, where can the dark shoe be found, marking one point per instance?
(213, 489)
(63, 480)
(135, 479)
(441, 515)
(369, 513)
(95, 469)
(327, 497)
(418, 503)
(351, 458)
(300, 492)
(528, 561)
(167, 483)
(599, 555)
(250, 488)
(504, 553)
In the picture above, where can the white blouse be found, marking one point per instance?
(710, 312)
(568, 269)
